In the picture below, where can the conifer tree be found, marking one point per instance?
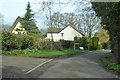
(28, 21)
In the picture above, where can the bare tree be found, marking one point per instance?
(90, 24)
(47, 6)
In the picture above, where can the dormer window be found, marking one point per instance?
(62, 34)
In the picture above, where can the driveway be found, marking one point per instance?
(80, 66)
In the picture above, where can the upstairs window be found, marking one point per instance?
(19, 32)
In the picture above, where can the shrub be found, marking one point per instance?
(44, 35)
(95, 40)
(8, 41)
(46, 45)
(85, 42)
(99, 47)
(25, 42)
(41, 44)
(58, 46)
(76, 39)
(67, 44)
(106, 45)
(110, 65)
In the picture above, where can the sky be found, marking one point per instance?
(11, 9)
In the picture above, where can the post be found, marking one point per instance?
(74, 45)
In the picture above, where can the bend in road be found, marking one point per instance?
(83, 66)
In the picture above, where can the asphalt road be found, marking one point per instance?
(80, 66)
(17, 66)
(83, 66)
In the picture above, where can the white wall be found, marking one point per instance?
(68, 34)
(19, 27)
(56, 36)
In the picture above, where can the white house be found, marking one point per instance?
(67, 33)
(16, 27)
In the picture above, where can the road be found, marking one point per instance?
(81, 66)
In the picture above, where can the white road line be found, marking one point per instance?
(38, 66)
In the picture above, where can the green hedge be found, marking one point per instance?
(25, 42)
(99, 47)
(85, 42)
(95, 40)
(8, 41)
(67, 44)
(14, 41)
(11, 41)
(113, 66)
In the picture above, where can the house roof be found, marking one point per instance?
(66, 27)
(17, 20)
(15, 23)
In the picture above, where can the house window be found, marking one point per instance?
(62, 35)
(19, 32)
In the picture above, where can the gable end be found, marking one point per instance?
(15, 23)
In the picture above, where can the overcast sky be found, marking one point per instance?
(10, 9)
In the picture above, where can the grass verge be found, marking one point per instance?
(110, 65)
(40, 53)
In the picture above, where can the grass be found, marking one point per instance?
(113, 66)
(41, 53)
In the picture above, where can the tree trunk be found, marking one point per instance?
(118, 50)
(115, 51)
(52, 45)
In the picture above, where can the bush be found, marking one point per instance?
(8, 41)
(44, 35)
(85, 42)
(110, 65)
(41, 44)
(106, 45)
(58, 46)
(99, 47)
(95, 40)
(67, 44)
(82, 41)
(45, 45)
(25, 42)
(11, 41)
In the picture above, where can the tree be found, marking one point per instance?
(1, 24)
(29, 15)
(27, 22)
(110, 15)
(90, 24)
(6, 27)
(48, 6)
(103, 35)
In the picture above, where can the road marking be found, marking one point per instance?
(38, 66)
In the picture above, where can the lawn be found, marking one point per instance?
(41, 53)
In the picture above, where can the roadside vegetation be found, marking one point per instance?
(34, 42)
(110, 65)
(13, 44)
(40, 53)
(110, 17)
